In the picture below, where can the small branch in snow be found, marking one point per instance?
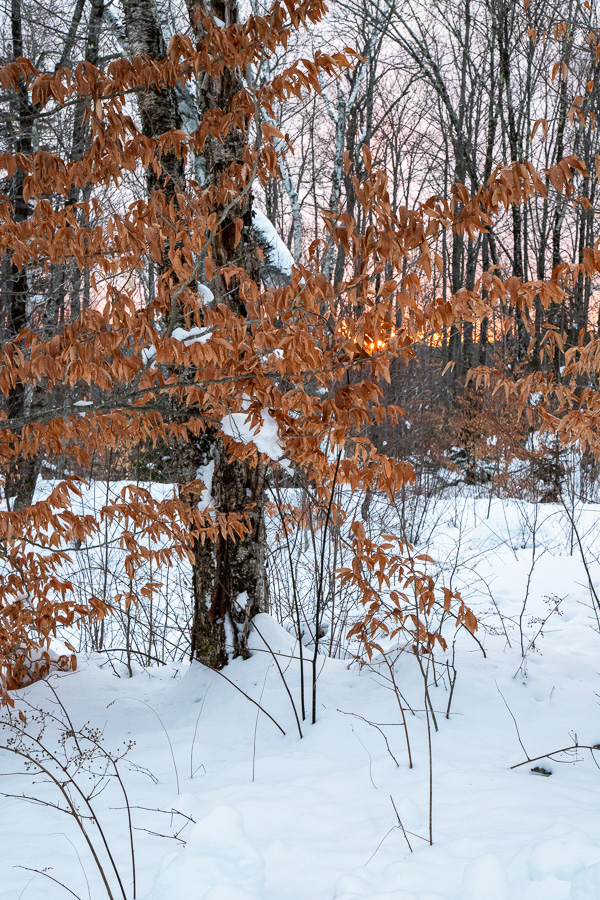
(373, 725)
(248, 697)
(574, 747)
(514, 720)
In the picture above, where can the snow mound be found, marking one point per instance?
(353, 887)
(485, 879)
(269, 635)
(227, 892)
(563, 857)
(586, 885)
(219, 862)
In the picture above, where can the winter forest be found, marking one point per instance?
(299, 450)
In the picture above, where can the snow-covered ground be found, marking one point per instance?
(268, 816)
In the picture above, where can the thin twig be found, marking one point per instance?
(563, 750)
(256, 724)
(374, 725)
(400, 824)
(248, 697)
(143, 702)
(45, 874)
(513, 718)
(192, 773)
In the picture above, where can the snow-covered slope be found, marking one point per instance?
(276, 817)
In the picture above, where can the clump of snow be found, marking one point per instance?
(205, 292)
(265, 436)
(267, 635)
(37, 662)
(195, 335)
(148, 354)
(205, 474)
(277, 253)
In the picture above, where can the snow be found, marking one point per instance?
(586, 884)
(279, 818)
(195, 335)
(278, 254)
(219, 861)
(205, 474)
(187, 336)
(148, 354)
(563, 857)
(485, 879)
(265, 436)
(205, 292)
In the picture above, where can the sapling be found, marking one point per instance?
(77, 764)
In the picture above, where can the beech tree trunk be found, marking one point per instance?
(229, 575)
(81, 136)
(230, 579)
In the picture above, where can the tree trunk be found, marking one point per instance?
(229, 575)
(21, 477)
(230, 580)
(79, 145)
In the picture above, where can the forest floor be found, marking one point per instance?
(267, 816)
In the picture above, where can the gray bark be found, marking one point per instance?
(230, 580)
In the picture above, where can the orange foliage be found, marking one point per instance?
(143, 385)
